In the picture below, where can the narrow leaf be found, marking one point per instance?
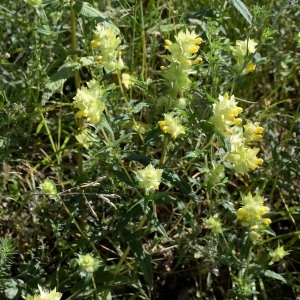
(87, 10)
(242, 9)
(274, 275)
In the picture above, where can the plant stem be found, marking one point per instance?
(121, 261)
(76, 75)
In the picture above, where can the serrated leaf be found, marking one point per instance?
(11, 289)
(87, 10)
(104, 124)
(87, 61)
(65, 71)
(50, 88)
(157, 226)
(274, 275)
(138, 107)
(242, 9)
(58, 79)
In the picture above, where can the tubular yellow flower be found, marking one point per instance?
(252, 132)
(168, 43)
(249, 68)
(45, 295)
(252, 211)
(243, 48)
(224, 114)
(244, 159)
(197, 60)
(149, 178)
(126, 80)
(172, 126)
(107, 42)
(90, 101)
(278, 254)
(240, 53)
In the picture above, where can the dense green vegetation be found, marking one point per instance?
(149, 149)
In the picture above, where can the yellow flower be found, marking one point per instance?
(244, 159)
(243, 48)
(251, 214)
(252, 132)
(87, 264)
(249, 68)
(45, 295)
(172, 126)
(214, 224)
(90, 101)
(278, 254)
(107, 42)
(187, 44)
(48, 187)
(126, 80)
(240, 53)
(149, 178)
(225, 112)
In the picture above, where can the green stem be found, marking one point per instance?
(74, 41)
(121, 261)
(50, 138)
(164, 151)
(80, 230)
(76, 75)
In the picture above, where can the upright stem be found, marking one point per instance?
(76, 74)
(121, 261)
(74, 42)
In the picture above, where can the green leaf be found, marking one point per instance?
(138, 107)
(274, 275)
(177, 182)
(242, 9)
(170, 27)
(87, 10)
(132, 156)
(50, 88)
(66, 71)
(135, 210)
(122, 176)
(57, 80)
(11, 289)
(104, 124)
(143, 259)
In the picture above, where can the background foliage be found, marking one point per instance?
(100, 209)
